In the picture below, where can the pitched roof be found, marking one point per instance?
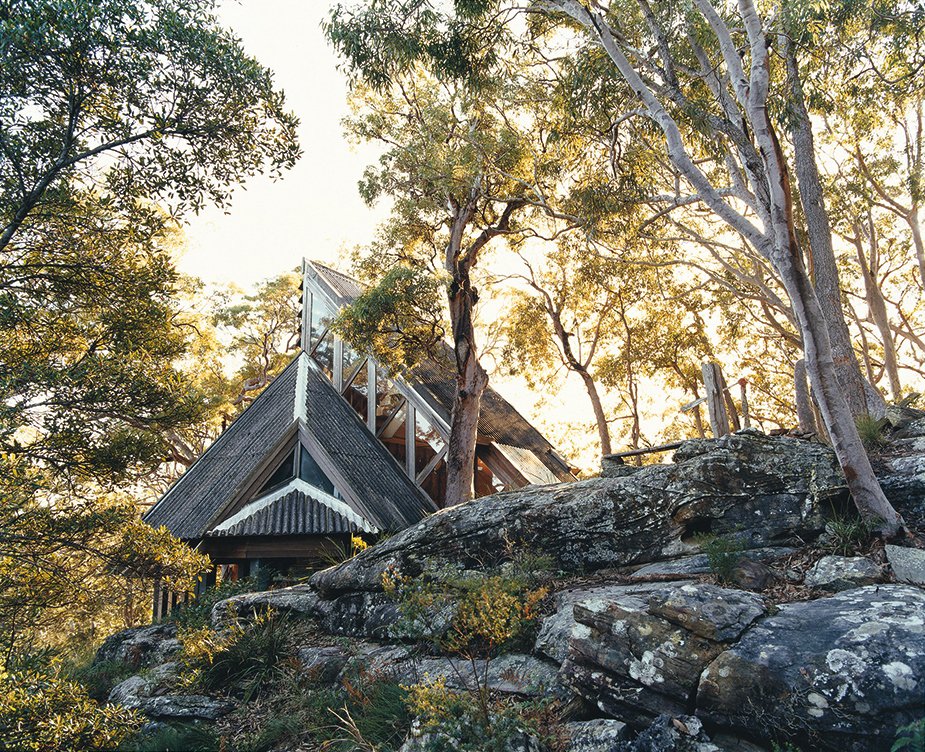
(377, 495)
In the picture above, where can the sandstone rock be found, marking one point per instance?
(599, 735)
(322, 664)
(143, 685)
(902, 479)
(559, 627)
(642, 655)
(842, 573)
(845, 670)
(751, 575)
(298, 599)
(182, 707)
(612, 467)
(908, 564)
(140, 646)
(520, 742)
(683, 733)
(509, 674)
(699, 563)
(361, 614)
(900, 417)
(716, 613)
(771, 487)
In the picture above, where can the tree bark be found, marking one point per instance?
(818, 228)
(877, 305)
(806, 418)
(603, 430)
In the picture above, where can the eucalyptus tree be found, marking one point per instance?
(463, 176)
(706, 77)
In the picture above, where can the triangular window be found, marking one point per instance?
(297, 461)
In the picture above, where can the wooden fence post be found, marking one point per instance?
(716, 401)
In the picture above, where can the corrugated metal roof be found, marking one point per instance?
(295, 513)
(224, 468)
(385, 495)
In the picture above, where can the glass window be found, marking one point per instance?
(351, 361)
(311, 473)
(356, 392)
(428, 441)
(285, 472)
(388, 399)
(322, 315)
(323, 354)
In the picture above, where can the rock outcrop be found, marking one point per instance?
(843, 671)
(768, 491)
(140, 647)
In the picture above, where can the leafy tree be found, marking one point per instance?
(715, 107)
(110, 111)
(461, 177)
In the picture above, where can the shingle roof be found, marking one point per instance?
(370, 480)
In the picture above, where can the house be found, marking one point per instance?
(335, 447)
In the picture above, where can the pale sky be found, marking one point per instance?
(315, 209)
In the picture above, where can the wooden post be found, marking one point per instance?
(716, 404)
(730, 403)
(743, 390)
(805, 416)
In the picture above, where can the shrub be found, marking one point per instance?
(723, 552)
(846, 534)
(46, 713)
(246, 659)
(197, 613)
(184, 737)
(99, 679)
(871, 431)
(910, 738)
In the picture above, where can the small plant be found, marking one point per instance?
(872, 431)
(910, 738)
(197, 614)
(723, 552)
(846, 535)
(99, 679)
(247, 659)
(337, 552)
(188, 737)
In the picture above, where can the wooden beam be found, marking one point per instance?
(371, 394)
(713, 380)
(645, 450)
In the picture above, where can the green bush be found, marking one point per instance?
(250, 658)
(196, 614)
(184, 737)
(872, 431)
(99, 679)
(846, 534)
(43, 712)
(910, 738)
(723, 552)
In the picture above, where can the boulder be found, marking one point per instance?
(182, 707)
(902, 478)
(140, 686)
(599, 735)
(684, 566)
(841, 672)
(561, 626)
(683, 733)
(140, 647)
(641, 655)
(908, 564)
(322, 664)
(509, 674)
(299, 600)
(773, 488)
(842, 573)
